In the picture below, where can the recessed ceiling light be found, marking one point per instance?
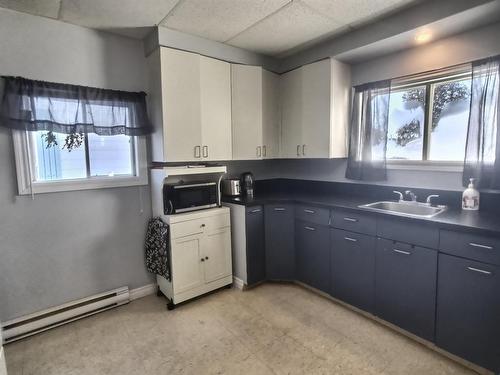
(423, 37)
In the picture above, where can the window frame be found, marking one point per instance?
(429, 80)
(25, 174)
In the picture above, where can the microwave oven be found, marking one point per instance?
(178, 198)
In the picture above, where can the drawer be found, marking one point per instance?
(187, 228)
(198, 226)
(313, 214)
(473, 246)
(217, 222)
(408, 231)
(354, 221)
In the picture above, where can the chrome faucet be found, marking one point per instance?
(400, 194)
(429, 199)
(412, 195)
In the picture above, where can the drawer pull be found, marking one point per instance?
(350, 239)
(480, 246)
(309, 211)
(401, 252)
(310, 228)
(479, 271)
(350, 219)
(279, 209)
(255, 211)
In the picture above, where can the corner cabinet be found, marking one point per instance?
(190, 106)
(315, 105)
(255, 113)
(200, 254)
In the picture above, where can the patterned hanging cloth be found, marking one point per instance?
(156, 248)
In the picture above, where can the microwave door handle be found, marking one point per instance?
(219, 192)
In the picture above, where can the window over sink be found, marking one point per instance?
(428, 119)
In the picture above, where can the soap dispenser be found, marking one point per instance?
(470, 197)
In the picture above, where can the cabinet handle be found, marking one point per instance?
(401, 252)
(256, 210)
(205, 154)
(481, 246)
(264, 150)
(197, 152)
(310, 228)
(304, 150)
(279, 209)
(298, 150)
(259, 152)
(351, 219)
(202, 226)
(350, 239)
(202, 259)
(206, 258)
(479, 271)
(309, 211)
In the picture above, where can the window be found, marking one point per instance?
(100, 161)
(69, 137)
(428, 119)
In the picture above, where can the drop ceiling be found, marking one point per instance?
(271, 27)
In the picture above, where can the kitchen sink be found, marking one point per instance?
(412, 209)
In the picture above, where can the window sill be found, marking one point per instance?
(83, 184)
(425, 166)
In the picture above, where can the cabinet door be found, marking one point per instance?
(468, 310)
(256, 257)
(291, 116)
(280, 242)
(316, 103)
(187, 270)
(353, 268)
(180, 86)
(313, 254)
(271, 115)
(405, 286)
(216, 252)
(215, 94)
(247, 102)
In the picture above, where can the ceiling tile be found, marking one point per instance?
(45, 8)
(107, 14)
(219, 20)
(355, 11)
(292, 26)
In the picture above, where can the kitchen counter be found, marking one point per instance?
(485, 222)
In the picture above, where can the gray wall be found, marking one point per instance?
(64, 246)
(462, 48)
(334, 170)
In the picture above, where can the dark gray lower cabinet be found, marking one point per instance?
(468, 310)
(256, 257)
(312, 254)
(353, 268)
(405, 286)
(280, 241)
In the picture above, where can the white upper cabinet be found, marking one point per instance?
(271, 115)
(215, 77)
(315, 110)
(291, 115)
(205, 109)
(255, 113)
(190, 106)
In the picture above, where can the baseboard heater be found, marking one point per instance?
(28, 325)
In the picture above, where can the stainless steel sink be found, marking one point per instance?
(412, 209)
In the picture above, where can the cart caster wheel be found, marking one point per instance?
(158, 292)
(170, 306)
